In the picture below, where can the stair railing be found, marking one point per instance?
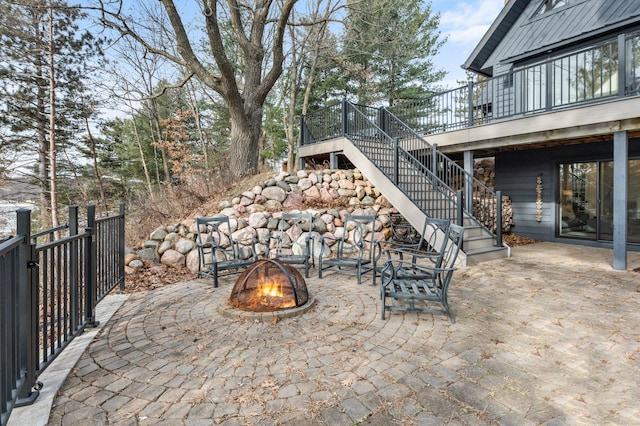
(482, 203)
(435, 183)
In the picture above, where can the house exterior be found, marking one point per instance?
(577, 62)
(556, 104)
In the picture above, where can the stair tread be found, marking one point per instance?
(484, 250)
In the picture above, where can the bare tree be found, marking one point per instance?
(258, 27)
(303, 58)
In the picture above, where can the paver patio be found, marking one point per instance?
(549, 336)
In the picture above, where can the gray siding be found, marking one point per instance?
(577, 21)
(517, 172)
(518, 36)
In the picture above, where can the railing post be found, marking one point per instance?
(395, 161)
(498, 218)
(434, 160)
(302, 131)
(622, 65)
(470, 102)
(383, 121)
(74, 269)
(548, 85)
(121, 247)
(345, 117)
(28, 310)
(91, 280)
(460, 207)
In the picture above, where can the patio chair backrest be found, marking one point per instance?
(356, 229)
(434, 232)
(218, 229)
(294, 225)
(452, 248)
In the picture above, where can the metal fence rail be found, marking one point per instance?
(48, 294)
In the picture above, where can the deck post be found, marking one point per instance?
(620, 176)
(468, 184)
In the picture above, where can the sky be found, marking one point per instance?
(464, 23)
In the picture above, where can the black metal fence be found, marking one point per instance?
(50, 283)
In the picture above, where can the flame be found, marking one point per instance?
(271, 288)
(269, 294)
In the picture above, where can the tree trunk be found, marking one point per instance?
(96, 169)
(245, 141)
(52, 125)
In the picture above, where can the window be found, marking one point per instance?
(549, 5)
(585, 208)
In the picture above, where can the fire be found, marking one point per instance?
(269, 294)
(271, 288)
(268, 286)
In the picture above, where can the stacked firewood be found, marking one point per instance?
(484, 171)
(485, 211)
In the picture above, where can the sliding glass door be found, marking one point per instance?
(586, 201)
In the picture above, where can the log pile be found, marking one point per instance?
(484, 171)
(485, 211)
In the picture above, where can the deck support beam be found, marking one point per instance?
(620, 176)
(468, 187)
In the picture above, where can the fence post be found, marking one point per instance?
(345, 117)
(121, 247)
(460, 207)
(74, 269)
(499, 218)
(470, 103)
(395, 161)
(302, 132)
(90, 269)
(28, 310)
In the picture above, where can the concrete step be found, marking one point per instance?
(488, 253)
(479, 242)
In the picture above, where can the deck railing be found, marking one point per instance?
(607, 71)
(597, 74)
(48, 294)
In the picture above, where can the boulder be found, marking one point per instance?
(258, 220)
(184, 245)
(166, 245)
(158, 234)
(293, 200)
(148, 254)
(274, 193)
(173, 258)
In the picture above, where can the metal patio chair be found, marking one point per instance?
(427, 244)
(219, 254)
(353, 253)
(429, 285)
(293, 242)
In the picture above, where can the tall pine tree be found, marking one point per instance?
(46, 60)
(388, 48)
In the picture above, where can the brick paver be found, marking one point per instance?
(551, 335)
